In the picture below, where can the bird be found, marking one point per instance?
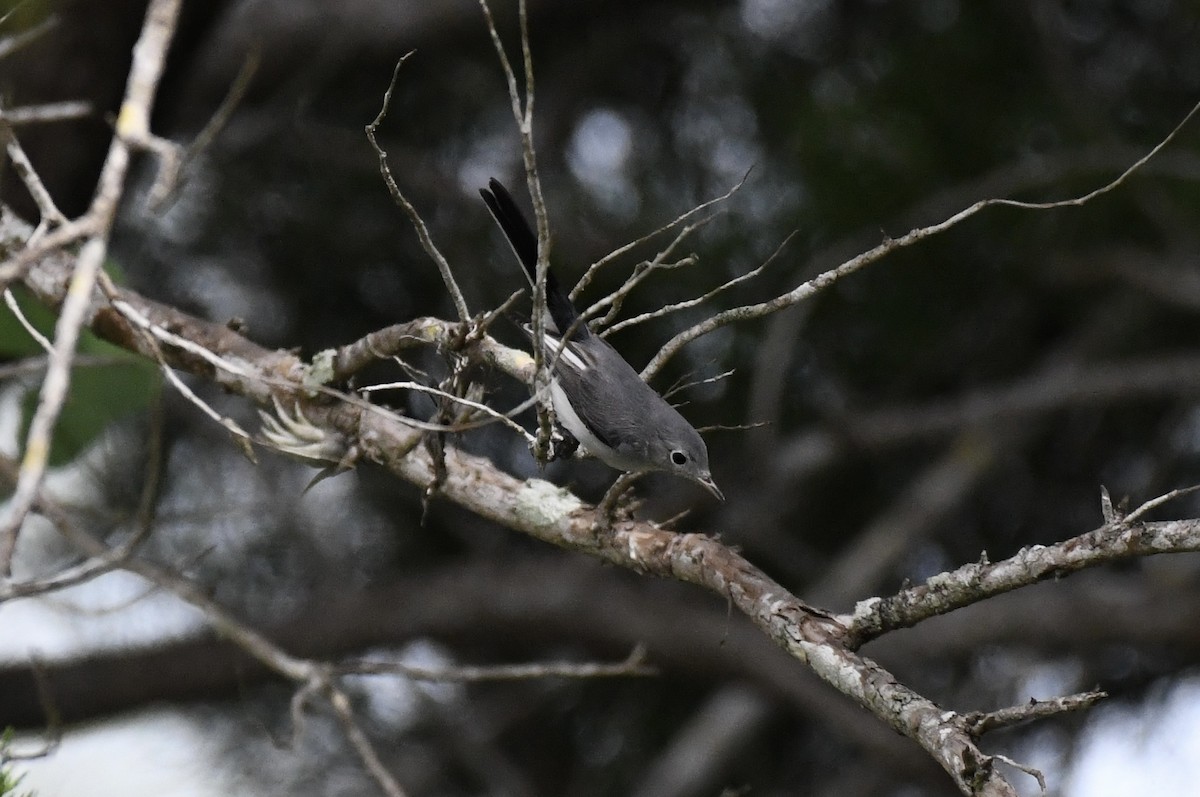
(597, 396)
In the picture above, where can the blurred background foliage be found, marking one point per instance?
(967, 394)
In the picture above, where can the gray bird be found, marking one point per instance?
(596, 395)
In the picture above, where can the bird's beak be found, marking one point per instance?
(706, 481)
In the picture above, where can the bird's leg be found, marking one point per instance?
(617, 503)
(563, 444)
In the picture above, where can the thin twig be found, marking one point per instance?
(683, 385)
(11, 44)
(140, 321)
(731, 427)
(36, 249)
(300, 671)
(166, 190)
(977, 581)
(590, 274)
(111, 558)
(443, 266)
(414, 423)
(1154, 503)
(980, 722)
(633, 665)
(606, 510)
(39, 363)
(362, 743)
(53, 718)
(51, 399)
(811, 287)
(523, 115)
(671, 308)
(615, 300)
(149, 56)
(49, 213)
(189, 394)
(474, 405)
(233, 97)
(1033, 772)
(45, 112)
(11, 301)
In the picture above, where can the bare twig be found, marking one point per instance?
(245, 440)
(730, 427)
(523, 115)
(49, 212)
(149, 55)
(590, 274)
(153, 333)
(504, 418)
(443, 266)
(1154, 503)
(1104, 189)
(671, 308)
(686, 384)
(338, 365)
(980, 722)
(38, 364)
(53, 719)
(17, 41)
(616, 299)
(67, 577)
(819, 283)
(15, 308)
(109, 559)
(180, 158)
(633, 665)
(974, 582)
(361, 743)
(233, 97)
(1032, 772)
(45, 113)
(35, 249)
(140, 321)
(306, 673)
(606, 510)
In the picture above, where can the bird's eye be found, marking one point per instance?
(678, 457)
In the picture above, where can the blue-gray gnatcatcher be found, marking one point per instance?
(596, 395)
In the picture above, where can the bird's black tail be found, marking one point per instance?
(524, 245)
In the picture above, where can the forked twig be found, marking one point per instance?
(671, 308)
(504, 418)
(1154, 503)
(149, 57)
(47, 210)
(822, 281)
(685, 382)
(443, 266)
(616, 299)
(590, 274)
(523, 115)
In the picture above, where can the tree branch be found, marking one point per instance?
(972, 583)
